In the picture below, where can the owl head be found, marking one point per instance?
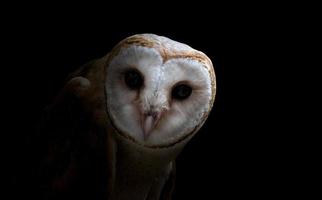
(158, 91)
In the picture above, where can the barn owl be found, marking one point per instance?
(136, 107)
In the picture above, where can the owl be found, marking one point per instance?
(122, 120)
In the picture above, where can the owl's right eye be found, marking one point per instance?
(133, 79)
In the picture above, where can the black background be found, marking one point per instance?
(244, 148)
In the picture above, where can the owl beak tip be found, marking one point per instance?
(149, 123)
(148, 126)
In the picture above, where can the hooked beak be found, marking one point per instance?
(149, 122)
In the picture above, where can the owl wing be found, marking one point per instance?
(163, 188)
(59, 133)
(168, 188)
(75, 143)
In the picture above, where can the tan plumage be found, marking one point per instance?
(136, 168)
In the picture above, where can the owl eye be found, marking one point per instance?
(133, 79)
(181, 92)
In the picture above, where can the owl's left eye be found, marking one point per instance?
(181, 92)
(133, 79)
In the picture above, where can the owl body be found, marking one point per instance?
(146, 99)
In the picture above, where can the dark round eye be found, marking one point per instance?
(181, 91)
(133, 79)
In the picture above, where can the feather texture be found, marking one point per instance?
(96, 147)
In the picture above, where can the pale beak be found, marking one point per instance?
(149, 122)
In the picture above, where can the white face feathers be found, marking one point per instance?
(158, 91)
